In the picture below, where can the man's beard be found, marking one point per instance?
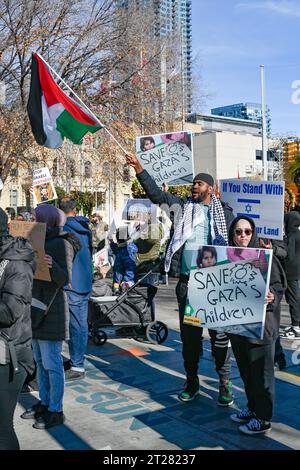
(201, 196)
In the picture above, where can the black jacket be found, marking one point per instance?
(292, 263)
(277, 287)
(56, 324)
(15, 296)
(174, 206)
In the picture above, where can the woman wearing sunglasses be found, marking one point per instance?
(255, 357)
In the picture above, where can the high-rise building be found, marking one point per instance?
(173, 16)
(249, 111)
(291, 149)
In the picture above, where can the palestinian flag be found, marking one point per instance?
(54, 115)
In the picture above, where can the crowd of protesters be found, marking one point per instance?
(203, 220)
(138, 248)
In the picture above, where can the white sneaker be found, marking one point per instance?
(290, 332)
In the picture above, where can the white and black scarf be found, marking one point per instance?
(193, 215)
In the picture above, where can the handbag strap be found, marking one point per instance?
(3, 265)
(51, 301)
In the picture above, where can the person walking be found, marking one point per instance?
(255, 357)
(17, 266)
(49, 334)
(148, 241)
(279, 248)
(199, 220)
(292, 271)
(99, 232)
(79, 292)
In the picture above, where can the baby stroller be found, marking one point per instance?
(125, 316)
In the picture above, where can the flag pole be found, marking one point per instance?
(263, 122)
(83, 104)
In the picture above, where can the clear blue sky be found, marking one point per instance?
(231, 38)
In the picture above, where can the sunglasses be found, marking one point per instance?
(239, 231)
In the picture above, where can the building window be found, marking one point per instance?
(14, 172)
(126, 197)
(126, 174)
(13, 198)
(258, 154)
(100, 200)
(54, 168)
(72, 168)
(87, 170)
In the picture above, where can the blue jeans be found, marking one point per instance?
(78, 308)
(50, 372)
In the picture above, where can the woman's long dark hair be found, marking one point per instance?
(254, 240)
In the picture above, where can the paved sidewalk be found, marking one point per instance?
(128, 400)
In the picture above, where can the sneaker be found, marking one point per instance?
(191, 389)
(290, 333)
(255, 426)
(67, 364)
(72, 374)
(35, 411)
(49, 420)
(242, 416)
(225, 393)
(280, 361)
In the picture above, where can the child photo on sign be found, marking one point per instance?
(43, 192)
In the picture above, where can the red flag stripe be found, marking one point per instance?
(53, 95)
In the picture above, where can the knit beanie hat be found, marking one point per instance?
(204, 177)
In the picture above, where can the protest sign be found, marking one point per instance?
(227, 290)
(35, 232)
(140, 216)
(263, 201)
(43, 187)
(135, 211)
(168, 158)
(140, 209)
(100, 258)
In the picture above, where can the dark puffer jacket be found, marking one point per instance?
(56, 324)
(292, 264)
(176, 206)
(15, 296)
(277, 286)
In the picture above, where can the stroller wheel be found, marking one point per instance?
(99, 337)
(156, 332)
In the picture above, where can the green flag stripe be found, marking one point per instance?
(72, 129)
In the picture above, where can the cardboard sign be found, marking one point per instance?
(43, 187)
(168, 158)
(263, 201)
(227, 290)
(35, 232)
